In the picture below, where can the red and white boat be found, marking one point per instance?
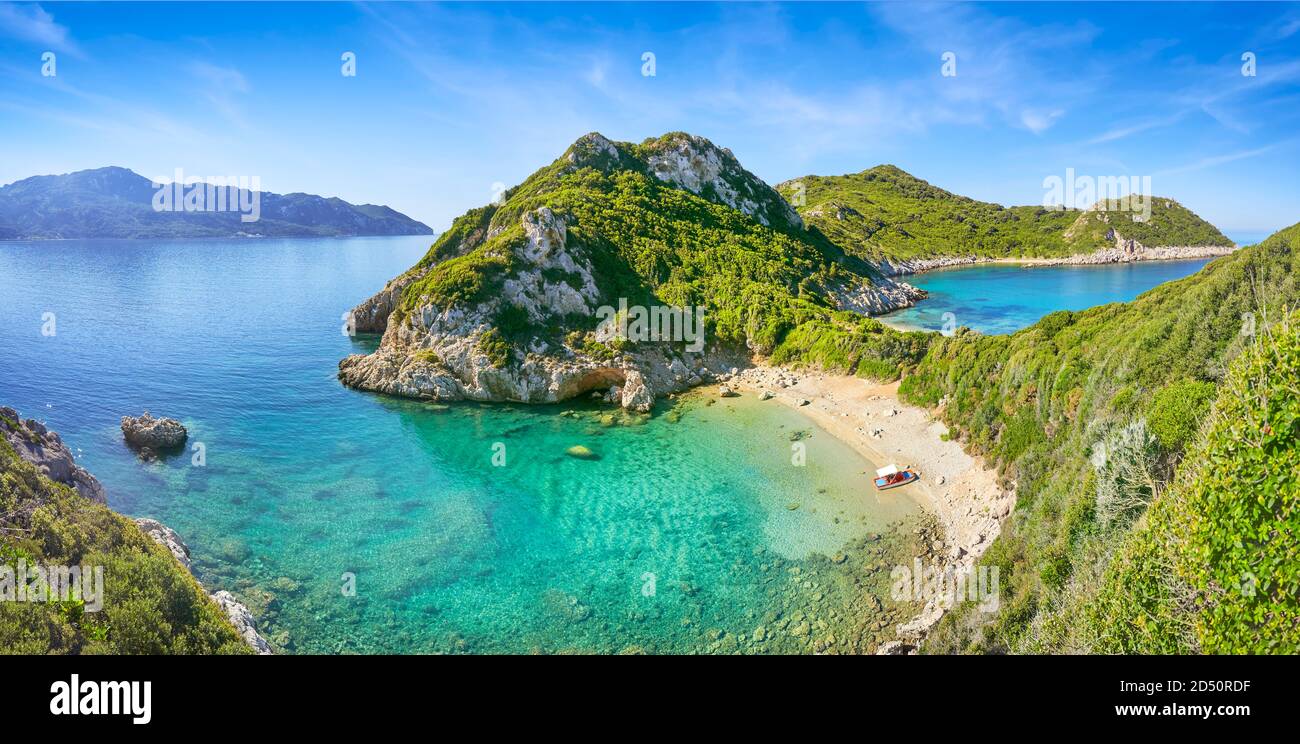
(891, 477)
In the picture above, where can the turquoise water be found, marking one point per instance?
(690, 533)
(1004, 298)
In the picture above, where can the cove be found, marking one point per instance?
(692, 532)
(1004, 298)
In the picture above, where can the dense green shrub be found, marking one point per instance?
(151, 604)
(1214, 566)
(1175, 413)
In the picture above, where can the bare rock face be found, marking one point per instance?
(886, 295)
(243, 621)
(166, 537)
(371, 316)
(438, 353)
(700, 167)
(44, 449)
(635, 395)
(155, 434)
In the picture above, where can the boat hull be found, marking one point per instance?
(883, 485)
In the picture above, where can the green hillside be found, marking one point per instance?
(151, 604)
(1212, 566)
(671, 221)
(886, 213)
(1090, 413)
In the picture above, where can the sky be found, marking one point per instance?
(451, 101)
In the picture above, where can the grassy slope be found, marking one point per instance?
(767, 287)
(887, 213)
(151, 603)
(1212, 567)
(1038, 404)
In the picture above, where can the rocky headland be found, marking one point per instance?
(505, 306)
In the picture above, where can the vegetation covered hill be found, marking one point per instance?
(1090, 414)
(118, 203)
(885, 213)
(673, 221)
(151, 604)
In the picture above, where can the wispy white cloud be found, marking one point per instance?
(33, 24)
(222, 87)
(1216, 160)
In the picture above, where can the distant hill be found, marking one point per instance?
(118, 203)
(887, 213)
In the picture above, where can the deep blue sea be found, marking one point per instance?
(1004, 298)
(691, 533)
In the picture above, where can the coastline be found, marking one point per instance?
(1123, 252)
(958, 489)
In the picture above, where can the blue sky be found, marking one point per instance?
(450, 99)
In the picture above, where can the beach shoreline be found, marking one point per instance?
(958, 489)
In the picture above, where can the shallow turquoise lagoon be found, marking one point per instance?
(1004, 298)
(690, 533)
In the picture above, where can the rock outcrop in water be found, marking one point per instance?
(536, 299)
(44, 449)
(152, 435)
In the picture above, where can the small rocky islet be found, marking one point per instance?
(151, 437)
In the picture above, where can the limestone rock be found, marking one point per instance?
(581, 452)
(636, 396)
(44, 449)
(243, 621)
(158, 434)
(167, 537)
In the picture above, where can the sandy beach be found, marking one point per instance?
(958, 489)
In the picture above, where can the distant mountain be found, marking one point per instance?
(885, 213)
(118, 203)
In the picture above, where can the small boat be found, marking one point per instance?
(891, 477)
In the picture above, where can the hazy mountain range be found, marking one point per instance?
(119, 203)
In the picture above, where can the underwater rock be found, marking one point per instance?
(726, 392)
(581, 452)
